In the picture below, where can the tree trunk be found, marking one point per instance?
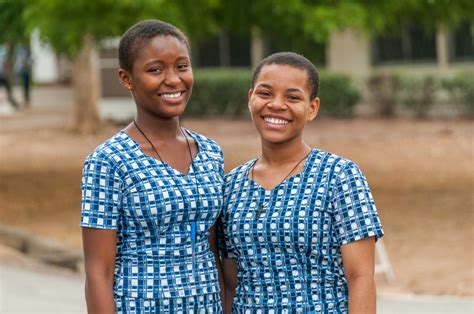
(86, 85)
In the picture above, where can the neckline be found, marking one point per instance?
(276, 187)
(164, 163)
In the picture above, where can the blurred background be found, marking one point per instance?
(397, 97)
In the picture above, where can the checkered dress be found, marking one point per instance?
(288, 254)
(156, 210)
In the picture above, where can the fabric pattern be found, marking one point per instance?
(288, 254)
(202, 304)
(162, 218)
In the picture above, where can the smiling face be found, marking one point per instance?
(280, 103)
(161, 78)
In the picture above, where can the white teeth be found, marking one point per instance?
(276, 121)
(171, 95)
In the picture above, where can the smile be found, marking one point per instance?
(171, 95)
(278, 121)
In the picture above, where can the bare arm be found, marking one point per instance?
(229, 267)
(358, 259)
(99, 255)
(213, 247)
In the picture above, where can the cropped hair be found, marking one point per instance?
(296, 61)
(140, 34)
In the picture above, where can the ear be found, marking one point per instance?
(250, 93)
(314, 109)
(125, 79)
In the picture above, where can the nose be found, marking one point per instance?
(172, 78)
(277, 103)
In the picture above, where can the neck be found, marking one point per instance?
(161, 130)
(277, 154)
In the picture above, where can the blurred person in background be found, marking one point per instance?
(152, 193)
(22, 68)
(6, 51)
(299, 225)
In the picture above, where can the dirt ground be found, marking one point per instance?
(421, 174)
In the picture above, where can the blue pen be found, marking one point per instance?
(193, 244)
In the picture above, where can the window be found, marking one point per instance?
(410, 44)
(223, 50)
(462, 47)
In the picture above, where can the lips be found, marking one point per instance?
(171, 95)
(276, 121)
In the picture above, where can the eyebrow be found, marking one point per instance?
(291, 90)
(295, 90)
(264, 85)
(179, 59)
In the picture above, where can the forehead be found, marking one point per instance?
(283, 76)
(161, 48)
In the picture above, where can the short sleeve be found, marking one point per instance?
(226, 249)
(355, 213)
(101, 188)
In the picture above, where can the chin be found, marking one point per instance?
(274, 139)
(172, 112)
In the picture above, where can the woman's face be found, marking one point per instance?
(280, 104)
(161, 79)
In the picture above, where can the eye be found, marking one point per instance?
(293, 98)
(155, 70)
(263, 94)
(183, 66)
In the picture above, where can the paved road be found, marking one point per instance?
(26, 291)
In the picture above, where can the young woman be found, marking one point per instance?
(151, 193)
(299, 224)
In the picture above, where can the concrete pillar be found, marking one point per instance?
(257, 46)
(349, 52)
(442, 52)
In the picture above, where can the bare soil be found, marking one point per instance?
(421, 174)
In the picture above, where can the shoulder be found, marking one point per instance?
(208, 145)
(239, 172)
(330, 163)
(112, 151)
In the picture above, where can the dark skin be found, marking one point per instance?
(161, 83)
(280, 105)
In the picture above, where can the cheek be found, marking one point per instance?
(189, 79)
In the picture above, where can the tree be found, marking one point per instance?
(300, 24)
(12, 25)
(75, 28)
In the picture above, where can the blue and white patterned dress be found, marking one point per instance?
(161, 217)
(288, 254)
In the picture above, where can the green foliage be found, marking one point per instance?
(220, 92)
(338, 94)
(64, 24)
(12, 25)
(418, 94)
(225, 92)
(461, 89)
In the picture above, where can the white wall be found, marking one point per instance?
(45, 67)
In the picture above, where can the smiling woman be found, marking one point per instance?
(280, 106)
(161, 78)
(151, 193)
(299, 225)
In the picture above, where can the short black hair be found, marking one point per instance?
(141, 34)
(294, 60)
